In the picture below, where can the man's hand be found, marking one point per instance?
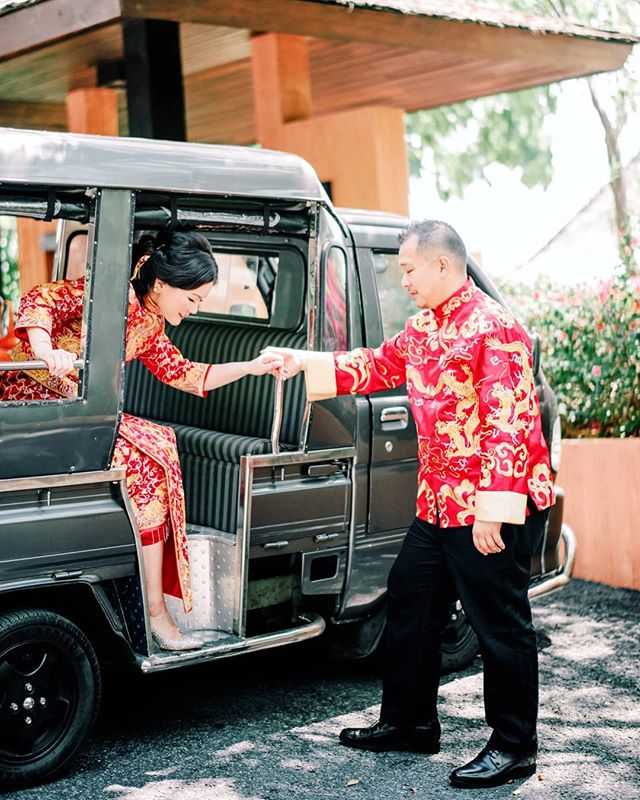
(486, 537)
(293, 360)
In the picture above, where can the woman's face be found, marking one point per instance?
(175, 304)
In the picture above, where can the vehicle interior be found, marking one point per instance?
(258, 300)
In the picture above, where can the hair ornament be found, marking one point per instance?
(138, 266)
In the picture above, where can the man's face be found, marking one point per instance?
(423, 273)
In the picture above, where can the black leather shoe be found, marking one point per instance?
(493, 768)
(381, 736)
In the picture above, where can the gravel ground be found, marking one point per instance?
(264, 727)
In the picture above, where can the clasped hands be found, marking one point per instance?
(290, 361)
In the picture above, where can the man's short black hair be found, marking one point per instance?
(434, 233)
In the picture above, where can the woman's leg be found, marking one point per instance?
(161, 620)
(148, 494)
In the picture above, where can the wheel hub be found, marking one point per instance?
(34, 713)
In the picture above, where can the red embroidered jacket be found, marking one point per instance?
(57, 308)
(469, 374)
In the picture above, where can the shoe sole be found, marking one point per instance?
(399, 747)
(477, 783)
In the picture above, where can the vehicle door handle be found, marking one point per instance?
(394, 418)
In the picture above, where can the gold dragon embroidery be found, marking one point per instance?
(513, 414)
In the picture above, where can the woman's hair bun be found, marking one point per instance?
(180, 258)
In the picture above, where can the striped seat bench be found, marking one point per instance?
(235, 420)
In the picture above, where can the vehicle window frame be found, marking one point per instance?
(87, 307)
(251, 248)
(326, 250)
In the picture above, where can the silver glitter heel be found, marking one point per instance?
(184, 643)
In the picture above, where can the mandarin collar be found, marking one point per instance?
(148, 304)
(457, 299)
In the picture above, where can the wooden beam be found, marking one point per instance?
(470, 39)
(47, 116)
(35, 26)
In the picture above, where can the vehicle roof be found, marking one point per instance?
(66, 159)
(382, 219)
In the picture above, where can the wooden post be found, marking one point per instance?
(153, 68)
(281, 83)
(93, 110)
(35, 264)
(90, 110)
(360, 153)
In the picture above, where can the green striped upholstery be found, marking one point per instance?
(219, 446)
(214, 432)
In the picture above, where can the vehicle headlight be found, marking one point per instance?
(555, 450)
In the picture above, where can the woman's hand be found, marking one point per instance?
(293, 360)
(267, 363)
(59, 362)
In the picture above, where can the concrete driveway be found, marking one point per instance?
(264, 727)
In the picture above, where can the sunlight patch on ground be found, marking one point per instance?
(205, 789)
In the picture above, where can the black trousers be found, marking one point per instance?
(434, 567)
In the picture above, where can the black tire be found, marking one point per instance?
(50, 690)
(459, 642)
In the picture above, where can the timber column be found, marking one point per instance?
(359, 154)
(89, 110)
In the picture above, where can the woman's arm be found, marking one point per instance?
(222, 374)
(59, 362)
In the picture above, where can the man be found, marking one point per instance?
(484, 488)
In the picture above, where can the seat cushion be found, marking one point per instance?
(220, 446)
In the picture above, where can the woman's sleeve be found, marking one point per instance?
(360, 371)
(168, 364)
(48, 304)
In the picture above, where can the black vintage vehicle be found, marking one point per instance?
(295, 510)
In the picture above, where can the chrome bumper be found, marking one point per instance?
(562, 575)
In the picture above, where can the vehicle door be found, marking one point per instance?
(393, 472)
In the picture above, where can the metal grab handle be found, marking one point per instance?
(277, 415)
(394, 414)
(20, 366)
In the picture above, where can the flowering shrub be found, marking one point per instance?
(590, 338)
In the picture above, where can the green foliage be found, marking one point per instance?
(464, 139)
(9, 286)
(590, 339)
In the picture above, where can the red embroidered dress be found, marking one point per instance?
(469, 374)
(147, 451)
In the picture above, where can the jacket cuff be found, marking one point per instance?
(501, 507)
(320, 376)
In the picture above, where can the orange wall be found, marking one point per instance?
(601, 478)
(361, 152)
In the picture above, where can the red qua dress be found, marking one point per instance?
(469, 374)
(146, 450)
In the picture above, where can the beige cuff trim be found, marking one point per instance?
(320, 375)
(501, 507)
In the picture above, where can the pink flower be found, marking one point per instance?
(596, 370)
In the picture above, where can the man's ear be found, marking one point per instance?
(443, 264)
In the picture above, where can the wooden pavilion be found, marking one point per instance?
(327, 79)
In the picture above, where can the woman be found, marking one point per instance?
(171, 277)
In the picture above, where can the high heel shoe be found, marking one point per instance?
(183, 643)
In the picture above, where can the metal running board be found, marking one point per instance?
(219, 644)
